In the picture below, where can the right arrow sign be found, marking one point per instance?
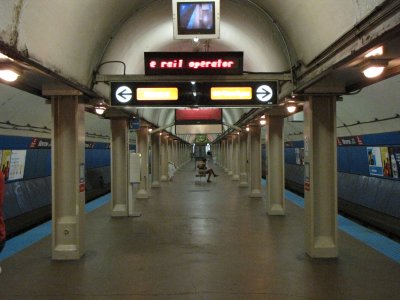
(264, 93)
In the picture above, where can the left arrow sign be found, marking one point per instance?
(123, 94)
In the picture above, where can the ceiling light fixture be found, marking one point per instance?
(291, 108)
(4, 57)
(100, 108)
(374, 67)
(263, 121)
(9, 72)
(376, 52)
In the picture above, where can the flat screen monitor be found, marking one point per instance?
(196, 18)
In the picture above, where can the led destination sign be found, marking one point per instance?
(193, 63)
(194, 94)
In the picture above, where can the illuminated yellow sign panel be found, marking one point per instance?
(156, 94)
(231, 93)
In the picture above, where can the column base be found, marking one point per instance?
(66, 252)
(276, 210)
(164, 178)
(119, 210)
(235, 177)
(324, 247)
(230, 173)
(244, 184)
(255, 194)
(142, 194)
(155, 184)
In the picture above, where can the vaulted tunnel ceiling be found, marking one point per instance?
(71, 38)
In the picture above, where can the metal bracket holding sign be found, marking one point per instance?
(134, 178)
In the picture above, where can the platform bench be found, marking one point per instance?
(200, 175)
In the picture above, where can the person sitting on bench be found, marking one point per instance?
(201, 165)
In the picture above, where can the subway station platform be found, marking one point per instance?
(199, 241)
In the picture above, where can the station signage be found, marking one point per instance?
(193, 63)
(194, 94)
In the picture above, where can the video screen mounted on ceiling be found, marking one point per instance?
(196, 18)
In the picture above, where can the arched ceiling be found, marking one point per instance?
(71, 38)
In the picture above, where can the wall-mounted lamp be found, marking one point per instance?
(150, 129)
(247, 128)
(263, 121)
(100, 108)
(9, 72)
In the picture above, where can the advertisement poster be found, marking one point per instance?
(387, 169)
(375, 161)
(17, 164)
(5, 163)
(394, 157)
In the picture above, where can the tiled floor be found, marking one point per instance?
(200, 241)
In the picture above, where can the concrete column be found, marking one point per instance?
(164, 157)
(119, 167)
(320, 177)
(179, 155)
(229, 155)
(255, 160)
(222, 155)
(225, 155)
(143, 149)
(68, 178)
(243, 161)
(276, 169)
(175, 152)
(235, 157)
(169, 147)
(155, 160)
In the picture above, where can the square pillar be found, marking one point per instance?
(164, 158)
(119, 167)
(276, 168)
(255, 160)
(243, 159)
(143, 149)
(155, 160)
(320, 176)
(235, 157)
(68, 177)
